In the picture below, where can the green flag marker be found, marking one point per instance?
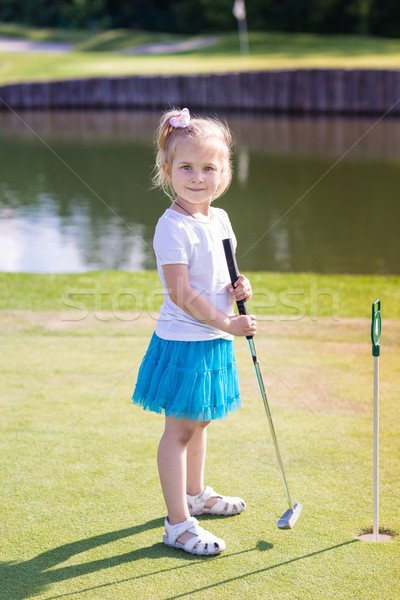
(376, 350)
(376, 328)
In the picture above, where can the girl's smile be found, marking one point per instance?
(195, 174)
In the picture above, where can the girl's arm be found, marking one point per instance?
(195, 305)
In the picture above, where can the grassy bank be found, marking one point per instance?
(292, 294)
(99, 54)
(43, 34)
(81, 508)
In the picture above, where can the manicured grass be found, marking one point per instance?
(268, 50)
(42, 34)
(81, 507)
(294, 295)
(120, 39)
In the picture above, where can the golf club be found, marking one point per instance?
(289, 518)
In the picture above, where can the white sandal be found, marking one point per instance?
(227, 505)
(202, 543)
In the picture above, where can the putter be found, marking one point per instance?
(289, 518)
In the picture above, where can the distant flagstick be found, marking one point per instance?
(239, 11)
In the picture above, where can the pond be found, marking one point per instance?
(308, 194)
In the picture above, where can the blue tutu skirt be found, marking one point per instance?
(189, 380)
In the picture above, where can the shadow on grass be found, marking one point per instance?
(20, 580)
(259, 571)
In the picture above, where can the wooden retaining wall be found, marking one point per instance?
(297, 91)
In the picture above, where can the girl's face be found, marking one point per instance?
(195, 173)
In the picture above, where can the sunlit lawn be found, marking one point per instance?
(81, 507)
(99, 55)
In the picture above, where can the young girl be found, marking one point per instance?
(189, 371)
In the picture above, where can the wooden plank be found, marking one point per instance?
(247, 86)
(348, 91)
(138, 91)
(10, 96)
(229, 91)
(190, 91)
(170, 93)
(316, 91)
(335, 91)
(74, 91)
(118, 86)
(265, 96)
(282, 83)
(318, 83)
(391, 91)
(366, 95)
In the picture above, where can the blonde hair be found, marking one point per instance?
(200, 130)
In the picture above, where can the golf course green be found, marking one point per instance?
(82, 509)
(81, 506)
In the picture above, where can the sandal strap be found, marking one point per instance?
(202, 497)
(225, 505)
(203, 542)
(175, 531)
(197, 545)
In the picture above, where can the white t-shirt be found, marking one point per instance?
(197, 243)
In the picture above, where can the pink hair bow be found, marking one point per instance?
(182, 119)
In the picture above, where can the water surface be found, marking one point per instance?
(309, 194)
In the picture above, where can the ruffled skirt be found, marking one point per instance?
(192, 380)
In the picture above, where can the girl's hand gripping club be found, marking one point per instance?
(289, 518)
(234, 274)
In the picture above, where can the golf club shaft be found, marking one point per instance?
(242, 308)
(270, 421)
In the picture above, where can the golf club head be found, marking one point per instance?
(289, 518)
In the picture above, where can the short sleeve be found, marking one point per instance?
(227, 227)
(169, 243)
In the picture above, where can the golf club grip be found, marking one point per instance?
(234, 272)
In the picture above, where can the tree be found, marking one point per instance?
(384, 18)
(204, 15)
(379, 17)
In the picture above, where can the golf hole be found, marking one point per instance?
(384, 535)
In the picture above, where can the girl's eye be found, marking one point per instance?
(186, 167)
(208, 168)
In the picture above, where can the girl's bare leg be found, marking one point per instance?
(182, 448)
(172, 453)
(196, 457)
